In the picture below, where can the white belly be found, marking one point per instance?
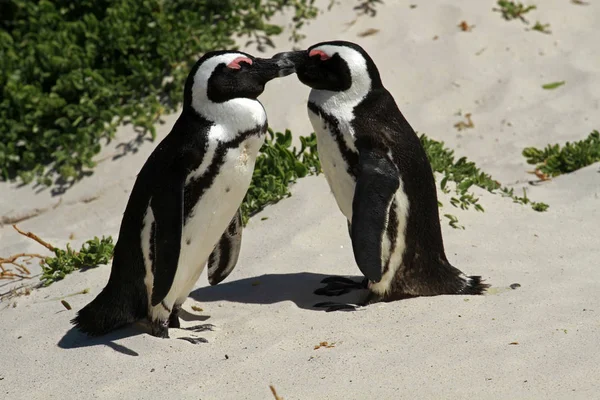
(213, 213)
(209, 218)
(334, 166)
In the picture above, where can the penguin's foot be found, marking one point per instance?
(160, 328)
(194, 340)
(338, 285)
(199, 328)
(174, 317)
(330, 306)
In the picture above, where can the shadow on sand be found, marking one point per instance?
(74, 339)
(264, 289)
(270, 289)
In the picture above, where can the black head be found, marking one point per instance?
(220, 76)
(333, 66)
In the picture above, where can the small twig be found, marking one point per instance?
(24, 289)
(12, 260)
(277, 397)
(35, 237)
(22, 269)
(12, 275)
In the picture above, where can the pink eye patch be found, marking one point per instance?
(235, 64)
(319, 53)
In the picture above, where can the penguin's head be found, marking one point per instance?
(335, 66)
(221, 76)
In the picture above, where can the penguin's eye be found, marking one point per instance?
(319, 53)
(235, 64)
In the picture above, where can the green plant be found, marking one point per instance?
(554, 160)
(71, 71)
(465, 174)
(511, 10)
(277, 166)
(93, 253)
(553, 85)
(544, 28)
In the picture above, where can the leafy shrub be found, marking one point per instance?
(465, 174)
(93, 253)
(554, 160)
(276, 167)
(71, 71)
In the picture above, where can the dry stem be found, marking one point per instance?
(36, 238)
(21, 268)
(277, 397)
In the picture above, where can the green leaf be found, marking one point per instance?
(553, 85)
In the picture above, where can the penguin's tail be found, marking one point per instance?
(113, 308)
(474, 285)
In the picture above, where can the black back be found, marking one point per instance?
(379, 124)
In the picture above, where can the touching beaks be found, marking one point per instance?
(293, 58)
(286, 67)
(273, 68)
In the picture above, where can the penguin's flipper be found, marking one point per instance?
(167, 207)
(376, 184)
(225, 254)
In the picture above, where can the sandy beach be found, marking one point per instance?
(539, 341)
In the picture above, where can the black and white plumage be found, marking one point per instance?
(183, 210)
(380, 176)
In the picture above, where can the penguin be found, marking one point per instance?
(184, 209)
(380, 177)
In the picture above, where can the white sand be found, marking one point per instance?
(449, 347)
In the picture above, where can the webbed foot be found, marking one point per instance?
(200, 328)
(174, 317)
(338, 285)
(160, 328)
(193, 340)
(330, 306)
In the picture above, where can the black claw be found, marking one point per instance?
(200, 328)
(194, 340)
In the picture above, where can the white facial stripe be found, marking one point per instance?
(344, 102)
(239, 115)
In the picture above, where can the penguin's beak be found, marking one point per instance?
(270, 68)
(295, 58)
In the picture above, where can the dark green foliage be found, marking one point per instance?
(71, 71)
(555, 160)
(511, 10)
(544, 28)
(276, 167)
(465, 174)
(93, 253)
